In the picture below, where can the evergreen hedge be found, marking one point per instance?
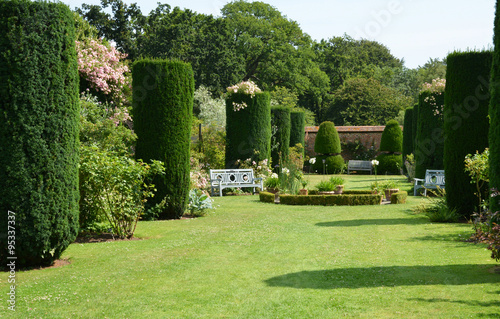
(331, 200)
(163, 108)
(408, 133)
(248, 131)
(391, 144)
(414, 126)
(39, 111)
(494, 113)
(297, 130)
(466, 123)
(327, 144)
(280, 145)
(429, 142)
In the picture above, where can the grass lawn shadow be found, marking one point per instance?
(391, 276)
(373, 222)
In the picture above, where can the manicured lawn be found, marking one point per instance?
(257, 260)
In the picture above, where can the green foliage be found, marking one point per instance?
(362, 101)
(272, 182)
(429, 141)
(212, 147)
(437, 210)
(399, 197)
(334, 164)
(266, 197)
(297, 129)
(466, 123)
(494, 112)
(330, 200)
(248, 131)
(477, 166)
(392, 138)
(199, 203)
(163, 105)
(117, 186)
(330, 184)
(281, 126)
(408, 133)
(39, 131)
(409, 163)
(327, 140)
(390, 164)
(212, 111)
(432, 69)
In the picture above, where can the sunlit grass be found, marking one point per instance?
(257, 260)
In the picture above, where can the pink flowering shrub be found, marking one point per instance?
(436, 88)
(246, 87)
(198, 174)
(260, 169)
(102, 67)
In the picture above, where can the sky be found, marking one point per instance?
(413, 30)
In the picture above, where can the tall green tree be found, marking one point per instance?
(494, 114)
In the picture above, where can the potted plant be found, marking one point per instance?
(326, 188)
(303, 191)
(390, 187)
(272, 183)
(339, 184)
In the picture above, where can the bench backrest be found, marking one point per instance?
(434, 177)
(232, 176)
(359, 164)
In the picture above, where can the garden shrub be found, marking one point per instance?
(248, 129)
(266, 197)
(436, 209)
(327, 144)
(297, 129)
(494, 113)
(163, 106)
(408, 133)
(414, 126)
(280, 123)
(429, 140)
(39, 132)
(466, 123)
(331, 200)
(399, 197)
(391, 144)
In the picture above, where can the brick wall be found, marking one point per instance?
(368, 136)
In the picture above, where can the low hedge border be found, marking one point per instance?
(399, 197)
(266, 197)
(346, 192)
(331, 200)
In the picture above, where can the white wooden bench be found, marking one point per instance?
(227, 178)
(433, 179)
(355, 165)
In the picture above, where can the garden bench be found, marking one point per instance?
(226, 178)
(434, 179)
(354, 165)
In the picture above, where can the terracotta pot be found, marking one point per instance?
(272, 190)
(340, 189)
(327, 193)
(389, 192)
(303, 191)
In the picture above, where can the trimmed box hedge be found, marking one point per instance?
(266, 197)
(331, 200)
(399, 197)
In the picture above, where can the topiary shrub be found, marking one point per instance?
(399, 197)
(163, 108)
(39, 111)
(248, 129)
(331, 200)
(297, 129)
(466, 124)
(494, 113)
(280, 145)
(408, 133)
(391, 144)
(429, 141)
(266, 197)
(327, 144)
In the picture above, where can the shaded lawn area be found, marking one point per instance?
(257, 260)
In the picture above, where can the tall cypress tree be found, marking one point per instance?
(408, 134)
(39, 112)
(280, 120)
(494, 113)
(466, 123)
(163, 108)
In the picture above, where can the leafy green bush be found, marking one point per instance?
(280, 145)
(272, 181)
(331, 200)
(326, 186)
(392, 138)
(466, 123)
(437, 210)
(327, 140)
(199, 203)
(333, 164)
(117, 186)
(478, 167)
(163, 105)
(399, 197)
(39, 130)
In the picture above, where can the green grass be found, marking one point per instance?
(358, 181)
(258, 260)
